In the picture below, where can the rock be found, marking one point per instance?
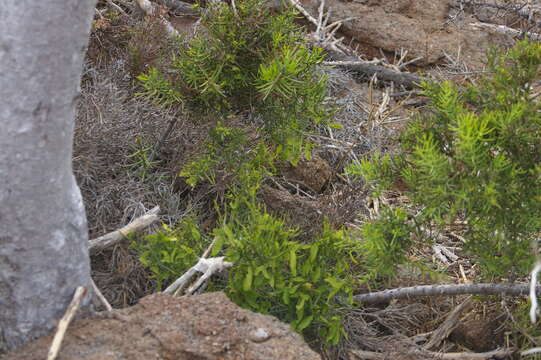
(160, 326)
(422, 27)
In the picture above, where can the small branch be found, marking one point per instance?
(65, 321)
(502, 29)
(494, 354)
(206, 266)
(444, 290)
(531, 351)
(100, 296)
(163, 138)
(369, 69)
(117, 236)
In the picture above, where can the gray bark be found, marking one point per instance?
(43, 231)
(513, 289)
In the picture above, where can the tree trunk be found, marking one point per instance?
(43, 231)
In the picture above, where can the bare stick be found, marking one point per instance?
(206, 266)
(164, 137)
(370, 69)
(516, 289)
(448, 325)
(533, 292)
(531, 351)
(65, 321)
(100, 296)
(117, 236)
(502, 29)
(494, 354)
(213, 265)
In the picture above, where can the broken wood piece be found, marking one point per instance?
(206, 266)
(494, 354)
(515, 289)
(100, 296)
(445, 255)
(65, 321)
(113, 238)
(502, 29)
(406, 79)
(449, 324)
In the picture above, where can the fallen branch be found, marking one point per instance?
(117, 236)
(369, 69)
(494, 354)
(502, 29)
(444, 290)
(65, 321)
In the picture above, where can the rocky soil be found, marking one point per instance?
(204, 327)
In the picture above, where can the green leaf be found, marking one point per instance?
(293, 261)
(305, 323)
(247, 283)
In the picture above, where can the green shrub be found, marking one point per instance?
(302, 284)
(247, 59)
(273, 273)
(476, 156)
(385, 242)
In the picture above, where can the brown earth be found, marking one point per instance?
(161, 326)
(425, 28)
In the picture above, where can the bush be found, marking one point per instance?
(273, 273)
(302, 284)
(476, 156)
(247, 59)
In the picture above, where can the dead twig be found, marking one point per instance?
(206, 266)
(515, 289)
(368, 68)
(80, 292)
(502, 29)
(100, 296)
(494, 354)
(117, 236)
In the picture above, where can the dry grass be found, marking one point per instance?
(116, 131)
